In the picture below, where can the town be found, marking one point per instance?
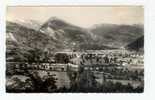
(116, 66)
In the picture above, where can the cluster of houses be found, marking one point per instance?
(105, 59)
(94, 60)
(38, 66)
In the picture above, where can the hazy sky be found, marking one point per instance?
(81, 16)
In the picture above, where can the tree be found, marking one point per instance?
(84, 82)
(46, 84)
(34, 55)
(61, 58)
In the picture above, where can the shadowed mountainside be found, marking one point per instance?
(136, 45)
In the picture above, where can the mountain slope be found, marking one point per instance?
(136, 45)
(21, 40)
(116, 35)
(70, 36)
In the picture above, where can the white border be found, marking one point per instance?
(75, 2)
(149, 67)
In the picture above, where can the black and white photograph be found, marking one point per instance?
(75, 49)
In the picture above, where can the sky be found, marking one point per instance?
(84, 16)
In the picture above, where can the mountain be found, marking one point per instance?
(27, 38)
(54, 35)
(116, 35)
(21, 41)
(70, 36)
(137, 45)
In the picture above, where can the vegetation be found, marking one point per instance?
(84, 81)
(45, 84)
